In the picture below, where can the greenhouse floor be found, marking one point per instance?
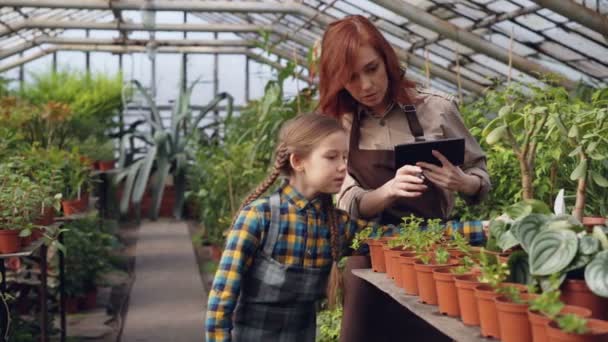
(168, 300)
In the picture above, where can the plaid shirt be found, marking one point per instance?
(304, 240)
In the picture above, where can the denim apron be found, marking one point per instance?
(278, 302)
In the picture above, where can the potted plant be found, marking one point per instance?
(493, 276)
(76, 181)
(545, 308)
(20, 201)
(447, 293)
(425, 266)
(101, 151)
(573, 328)
(581, 127)
(167, 150)
(400, 244)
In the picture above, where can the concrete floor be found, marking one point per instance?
(168, 300)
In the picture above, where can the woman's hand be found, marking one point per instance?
(450, 177)
(408, 182)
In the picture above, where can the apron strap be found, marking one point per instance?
(273, 230)
(412, 120)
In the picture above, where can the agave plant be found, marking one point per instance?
(166, 149)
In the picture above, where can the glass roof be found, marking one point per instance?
(535, 33)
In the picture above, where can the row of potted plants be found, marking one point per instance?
(470, 283)
(36, 183)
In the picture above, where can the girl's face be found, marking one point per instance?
(369, 81)
(324, 169)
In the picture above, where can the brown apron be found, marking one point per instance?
(369, 313)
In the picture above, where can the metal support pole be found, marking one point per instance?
(247, 79)
(451, 31)
(215, 86)
(579, 13)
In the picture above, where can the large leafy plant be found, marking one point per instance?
(582, 127)
(20, 200)
(226, 172)
(166, 149)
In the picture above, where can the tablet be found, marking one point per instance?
(420, 151)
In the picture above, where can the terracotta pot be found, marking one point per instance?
(455, 253)
(391, 256)
(71, 207)
(46, 218)
(426, 282)
(538, 321)
(83, 202)
(447, 295)
(590, 221)
(465, 286)
(376, 253)
(575, 292)
(488, 317)
(598, 332)
(409, 283)
(9, 241)
(89, 300)
(105, 165)
(37, 233)
(504, 257)
(513, 320)
(216, 252)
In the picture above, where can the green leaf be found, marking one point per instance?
(596, 274)
(599, 234)
(599, 179)
(575, 152)
(548, 284)
(526, 229)
(580, 171)
(507, 241)
(589, 245)
(579, 262)
(496, 135)
(504, 111)
(573, 132)
(552, 250)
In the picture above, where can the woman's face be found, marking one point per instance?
(369, 82)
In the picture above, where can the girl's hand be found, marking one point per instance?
(450, 177)
(408, 182)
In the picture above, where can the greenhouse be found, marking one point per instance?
(304, 170)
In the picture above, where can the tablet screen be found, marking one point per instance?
(420, 151)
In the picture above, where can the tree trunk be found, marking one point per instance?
(527, 177)
(581, 195)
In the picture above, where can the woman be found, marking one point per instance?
(362, 84)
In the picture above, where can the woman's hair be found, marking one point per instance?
(300, 136)
(341, 41)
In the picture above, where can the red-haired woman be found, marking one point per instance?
(362, 83)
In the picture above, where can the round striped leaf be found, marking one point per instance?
(579, 262)
(526, 229)
(596, 274)
(552, 250)
(588, 245)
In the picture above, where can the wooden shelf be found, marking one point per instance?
(451, 327)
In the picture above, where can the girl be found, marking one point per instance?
(279, 252)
